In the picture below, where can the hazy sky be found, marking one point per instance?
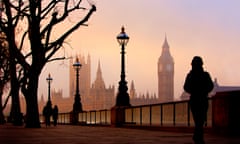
(209, 28)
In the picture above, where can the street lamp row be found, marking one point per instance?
(122, 96)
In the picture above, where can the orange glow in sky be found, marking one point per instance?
(206, 28)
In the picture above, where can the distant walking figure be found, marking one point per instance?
(198, 84)
(47, 112)
(55, 115)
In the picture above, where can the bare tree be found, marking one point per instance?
(4, 71)
(33, 45)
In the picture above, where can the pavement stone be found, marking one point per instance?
(69, 134)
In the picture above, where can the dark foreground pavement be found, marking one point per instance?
(67, 134)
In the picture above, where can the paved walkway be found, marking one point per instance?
(67, 134)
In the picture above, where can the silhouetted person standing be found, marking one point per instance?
(47, 112)
(55, 115)
(198, 84)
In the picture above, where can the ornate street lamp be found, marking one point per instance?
(49, 81)
(48, 108)
(77, 106)
(122, 96)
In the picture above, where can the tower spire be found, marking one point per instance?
(99, 71)
(132, 90)
(165, 44)
(99, 79)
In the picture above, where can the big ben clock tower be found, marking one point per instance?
(165, 74)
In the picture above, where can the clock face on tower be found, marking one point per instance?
(169, 67)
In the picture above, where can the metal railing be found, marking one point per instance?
(163, 114)
(101, 117)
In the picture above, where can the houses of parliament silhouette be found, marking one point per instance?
(98, 96)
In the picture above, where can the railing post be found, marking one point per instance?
(63, 118)
(174, 114)
(132, 114)
(95, 117)
(118, 116)
(188, 114)
(63, 121)
(105, 116)
(59, 119)
(140, 115)
(225, 112)
(90, 117)
(86, 117)
(161, 114)
(150, 119)
(100, 116)
(83, 116)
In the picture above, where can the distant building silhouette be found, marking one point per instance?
(93, 97)
(100, 97)
(141, 99)
(165, 74)
(97, 96)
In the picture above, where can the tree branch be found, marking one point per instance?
(48, 9)
(63, 17)
(54, 59)
(60, 40)
(6, 101)
(22, 40)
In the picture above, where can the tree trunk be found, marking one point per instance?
(32, 115)
(2, 120)
(15, 115)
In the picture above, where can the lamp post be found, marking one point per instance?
(77, 106)
(122, 96)
(49, 80)
(47, 111)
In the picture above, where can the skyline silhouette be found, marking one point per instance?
(210, 29)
